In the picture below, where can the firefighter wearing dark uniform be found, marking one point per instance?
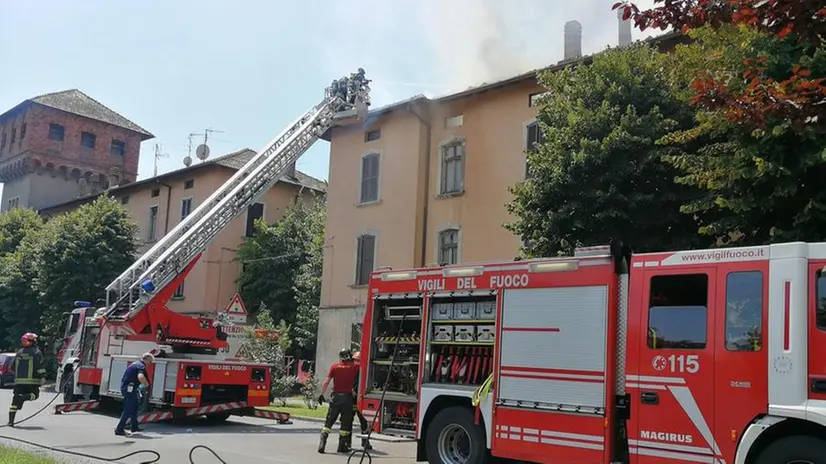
(29, 374)
(365, 427)
(343, 374)
(134, 382)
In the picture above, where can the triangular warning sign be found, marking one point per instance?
(236, 306)
(242, 352)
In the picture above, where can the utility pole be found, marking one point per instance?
(158, 155)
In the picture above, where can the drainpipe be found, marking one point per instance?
(426, 123)
(168, 205)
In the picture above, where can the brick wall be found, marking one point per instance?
(69, 152)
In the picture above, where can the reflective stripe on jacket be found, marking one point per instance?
(28, 366)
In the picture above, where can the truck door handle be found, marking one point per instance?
(650, 398)
(818, 385)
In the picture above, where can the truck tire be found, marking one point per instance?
(794, 450)
(453, 438)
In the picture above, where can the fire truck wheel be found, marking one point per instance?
(795, 450)
(453, 438)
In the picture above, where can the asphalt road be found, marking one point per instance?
(238, 441)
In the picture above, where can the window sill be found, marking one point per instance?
(358, 286)
(450, 194)
(368, 203)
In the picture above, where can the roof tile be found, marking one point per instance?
(76, 102)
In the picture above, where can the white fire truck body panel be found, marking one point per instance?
(720, 353)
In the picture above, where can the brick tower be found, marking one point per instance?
(59, 146)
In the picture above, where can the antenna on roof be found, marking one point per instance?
(158, 155)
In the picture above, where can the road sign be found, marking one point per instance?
(236, 311)
(242, 353)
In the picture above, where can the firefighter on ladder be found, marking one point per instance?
(365, 442)
(343, 374)
(29, 374)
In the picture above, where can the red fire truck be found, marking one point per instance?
(191, 375)
(711, 356)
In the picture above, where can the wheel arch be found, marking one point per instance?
(768, 429)
(440, 403)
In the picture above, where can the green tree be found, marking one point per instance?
(19, 306)
(78, 255)
(267, 343)
(308, 283)
(15, 225)
(761, 182)
(599, 174)
(281, 267)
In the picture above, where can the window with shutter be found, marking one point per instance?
(534, 137)
(254, 213)
(369, 178)
(365, 257)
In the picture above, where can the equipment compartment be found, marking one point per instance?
(442, 311)
(465, 333)
(486, 310)
(397, 329)
(485, 333)
(443, 333)
(460, 340)
(465, 310)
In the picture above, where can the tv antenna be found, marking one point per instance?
(202, 151)
(158, 156)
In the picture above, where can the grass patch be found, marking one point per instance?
(15, 456)
(300, 410)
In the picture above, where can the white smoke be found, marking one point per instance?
(464, 43)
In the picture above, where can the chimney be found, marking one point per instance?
(624, 29)
(573, 40)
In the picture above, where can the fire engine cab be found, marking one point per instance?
(707, 356)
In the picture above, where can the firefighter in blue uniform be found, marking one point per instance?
(29, 374)
(134, 383)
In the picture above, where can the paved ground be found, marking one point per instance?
(239, 441)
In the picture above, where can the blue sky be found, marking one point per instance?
(249, 67)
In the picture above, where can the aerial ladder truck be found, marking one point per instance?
(188, 378)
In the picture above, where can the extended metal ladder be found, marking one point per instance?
(134, 288)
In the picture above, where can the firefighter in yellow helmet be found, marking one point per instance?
(29, 374)
(365, 442)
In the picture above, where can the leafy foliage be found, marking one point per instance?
(45, 267)
(310, 391)
(762, 184)
(15, 225)
(19, 307)
(270, 351)
(795, 97)
(599, 173)
(282, 269)
(80, 253)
